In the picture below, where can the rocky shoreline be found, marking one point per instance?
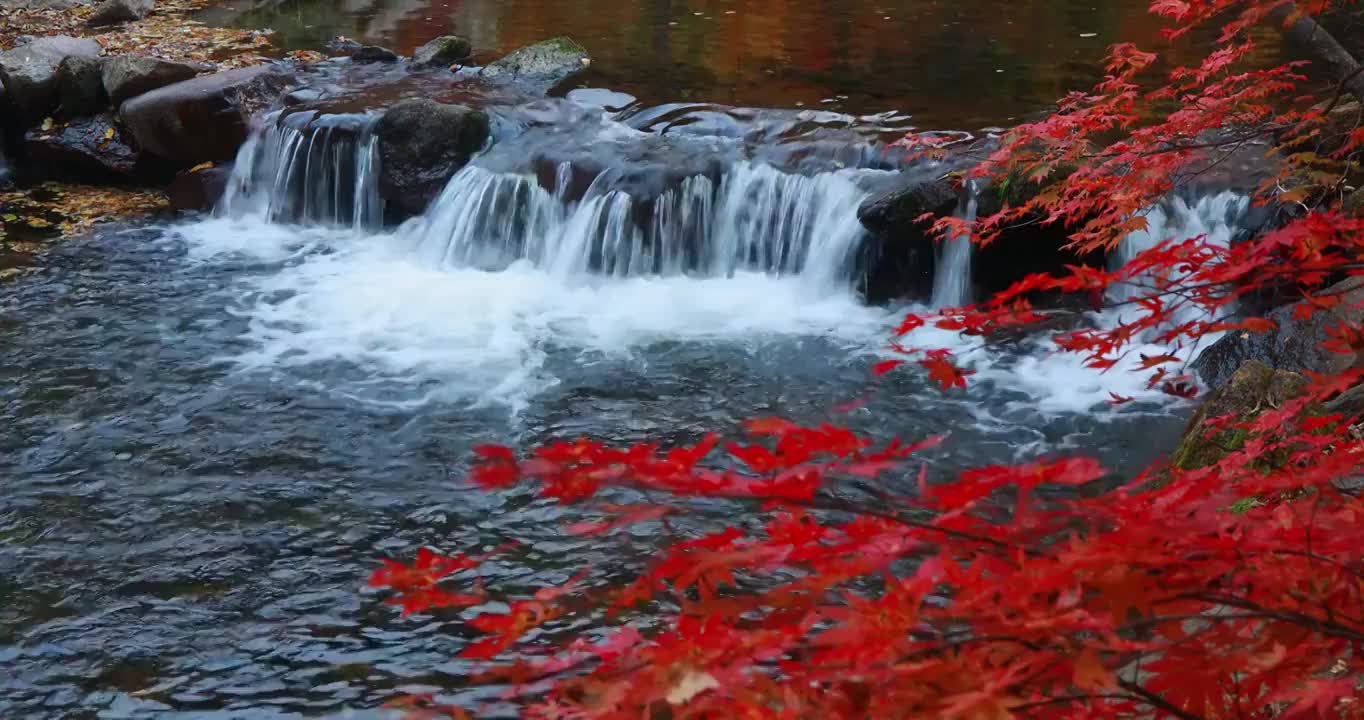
(85, 108)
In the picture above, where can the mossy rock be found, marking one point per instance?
(1255, 387)
(544, 64)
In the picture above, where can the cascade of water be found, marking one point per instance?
(306, 168)
(952, 275)
(757, 219)
(1216, 218)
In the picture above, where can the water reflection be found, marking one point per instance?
(951, 63)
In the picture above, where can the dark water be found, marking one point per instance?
(962, 64)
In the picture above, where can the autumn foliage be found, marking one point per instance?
(1230, 591)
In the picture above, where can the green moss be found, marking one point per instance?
(1254, 388)
(564, 44)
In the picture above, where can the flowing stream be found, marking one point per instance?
(213, 427)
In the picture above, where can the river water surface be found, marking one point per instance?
(211, 428)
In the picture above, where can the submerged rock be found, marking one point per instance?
(85, 150)
(79, 88)
(127, 76)
(1253, 388)
(204, 118)
(444, 51)
(373, 54)
(543, 64)
(342, 45)
(113, 12)
(29, 73)
(1294, 345)
(422, 144)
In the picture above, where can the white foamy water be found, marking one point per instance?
(484, 335)
(952, 276)
(470, 335)
(502, 278)
(756, 219)
(315, 170)
(1215, 218)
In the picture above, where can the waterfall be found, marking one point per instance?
(311, 169)
(755, 219)
(952, 275)
(1217, 218)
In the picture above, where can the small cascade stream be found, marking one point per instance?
(309, 169)
(755, 219)
(952, 276)
(1216, 218)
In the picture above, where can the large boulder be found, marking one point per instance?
(202, 119)
(444, 51)
(29, 73)
(127, 77)
(1295, 344)
(80, 91)
(84, 150)
(900, 250)
(113, 12)
(541, 65)
(422, 144)
(1251, 389)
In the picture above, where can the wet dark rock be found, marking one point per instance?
(342, 45)
(198, 190)
(1253, 388)
(1350, 404)
(542, 65)
(899, 254)
(422, 144)
(29, 73)
(444, 51)
(902, 251)
(127, 77)
(114, 12)
(901, 208)
(204, 118)
(644, 166)
(373, 54)
(85, 150)
(1294, 345)
(79, 88)
(302, 96)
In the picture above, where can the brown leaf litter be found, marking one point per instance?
(169, 33)
(29, 217)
